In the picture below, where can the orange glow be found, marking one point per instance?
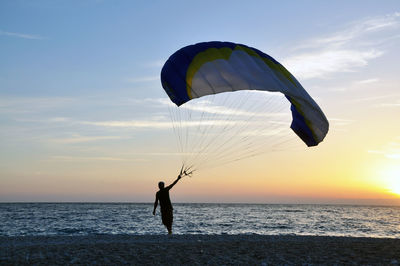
(391, 178)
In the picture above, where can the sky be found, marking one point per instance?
(83, 114)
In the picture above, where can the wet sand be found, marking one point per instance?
(198, 250)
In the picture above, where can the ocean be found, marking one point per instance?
(45, 219)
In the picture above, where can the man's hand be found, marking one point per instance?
(188, 173)
(185, 171)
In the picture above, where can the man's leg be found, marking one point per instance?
(169, 220)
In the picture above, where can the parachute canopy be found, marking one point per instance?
(215, 67)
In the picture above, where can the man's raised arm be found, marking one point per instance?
(176, 181)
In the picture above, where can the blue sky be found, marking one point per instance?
(76, 77)
(78, 42)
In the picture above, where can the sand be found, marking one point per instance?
(198, 250)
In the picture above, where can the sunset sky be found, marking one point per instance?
(80, 94)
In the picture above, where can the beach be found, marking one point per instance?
(198, 250)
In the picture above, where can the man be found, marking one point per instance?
(165, 203)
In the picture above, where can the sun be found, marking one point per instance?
(391, 178)
(395, 188)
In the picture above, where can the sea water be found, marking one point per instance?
(20, 219)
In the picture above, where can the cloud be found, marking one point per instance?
(276, 102)
(344, 51)
(166, 153)
(379, 23)
(157, 124)
(210, 108)
(155, 63)
(32, 104)
(388, 154)
(21, 35)
(207, 112)
(280, 131)
(340, 122)
(354, 31)
(367, 81)
(320, 64)
(391, 104)
(154, 102)
(395, 156)
(81, 139)
(45, 120)
(58, 119)
(355, 85)
(390, 150)
(373, 98)
(99, 158)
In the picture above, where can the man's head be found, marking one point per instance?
(161, 185)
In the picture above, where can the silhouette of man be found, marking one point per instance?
(162, 196)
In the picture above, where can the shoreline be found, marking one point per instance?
(198, 250)
(360, 203)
